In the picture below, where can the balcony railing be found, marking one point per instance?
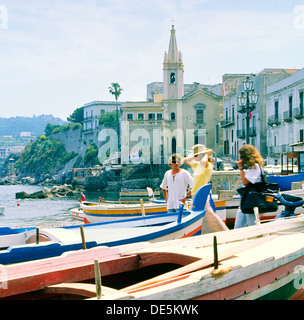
(287, 116)
(275, 150)
(241, 133)
(274, 120)
(227, 122)
(252, 132)
(299, 113)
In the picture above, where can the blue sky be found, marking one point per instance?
(56, 55)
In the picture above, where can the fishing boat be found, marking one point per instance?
(262, 262)
(109, 210)
(25, 244)
(96, 212)
(124, 192)
(285, 181)
(257, 262)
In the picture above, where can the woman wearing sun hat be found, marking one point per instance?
(201, 161)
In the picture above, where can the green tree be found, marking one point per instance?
(108, 119)
(116, 90)
(76, 116)
(91, 155)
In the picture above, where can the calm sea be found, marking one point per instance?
(40, 212)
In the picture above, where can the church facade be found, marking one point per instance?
(175, 116)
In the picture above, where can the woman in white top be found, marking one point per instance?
(176, 180)
(251, 158)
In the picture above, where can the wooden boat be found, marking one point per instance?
(17, 246)
(96, 212)
(257, 262)
(285, 181)
(136, 193)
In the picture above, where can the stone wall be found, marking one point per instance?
(226, 180)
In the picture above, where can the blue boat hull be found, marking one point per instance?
(285, 182)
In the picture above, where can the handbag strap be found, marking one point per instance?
(262, 175)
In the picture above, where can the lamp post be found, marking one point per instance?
(247, 101)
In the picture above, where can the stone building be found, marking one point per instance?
(174, 117)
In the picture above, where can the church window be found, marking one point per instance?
(172, 116)
(200, 116)
(172, 78)
(200, 113)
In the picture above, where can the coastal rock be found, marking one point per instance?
(56, 191)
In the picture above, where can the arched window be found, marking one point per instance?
(172, 78)
(172, 116)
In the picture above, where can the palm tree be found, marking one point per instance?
(116, 90)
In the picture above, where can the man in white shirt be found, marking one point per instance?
(176, 180)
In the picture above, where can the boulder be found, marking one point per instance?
(21, 195)
(56, 191)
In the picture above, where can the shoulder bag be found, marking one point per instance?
(252, 196)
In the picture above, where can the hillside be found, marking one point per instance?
(35, 125)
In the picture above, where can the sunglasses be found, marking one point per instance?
(174, 161)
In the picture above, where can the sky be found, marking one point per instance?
(57, 55)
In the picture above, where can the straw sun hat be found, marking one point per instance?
(200, 149)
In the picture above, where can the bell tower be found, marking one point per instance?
(173, 71)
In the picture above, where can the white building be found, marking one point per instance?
(285, 116)
(93, 110)
(234, 121)
(6, 151)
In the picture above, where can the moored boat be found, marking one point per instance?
(17, 244)
(262, 262)
(285, 181)
(124, 192)
(257, 262)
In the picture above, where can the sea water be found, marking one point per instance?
(40, 212)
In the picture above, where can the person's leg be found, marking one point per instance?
(250, 220)
(240, 219)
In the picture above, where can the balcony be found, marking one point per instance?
(298, 113)
(227, 122)
(149, 123)
(274, 150)
(287, 116)
(275, 120)
(241, 133)
(252, 132)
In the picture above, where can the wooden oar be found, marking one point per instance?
(200, 264)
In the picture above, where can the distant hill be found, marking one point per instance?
(35, 125)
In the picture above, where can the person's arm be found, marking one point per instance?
(165, 194)
(240, 164)
(188, 160)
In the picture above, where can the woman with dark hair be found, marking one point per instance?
(253, 161)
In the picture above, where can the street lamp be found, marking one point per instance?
(247, 101)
